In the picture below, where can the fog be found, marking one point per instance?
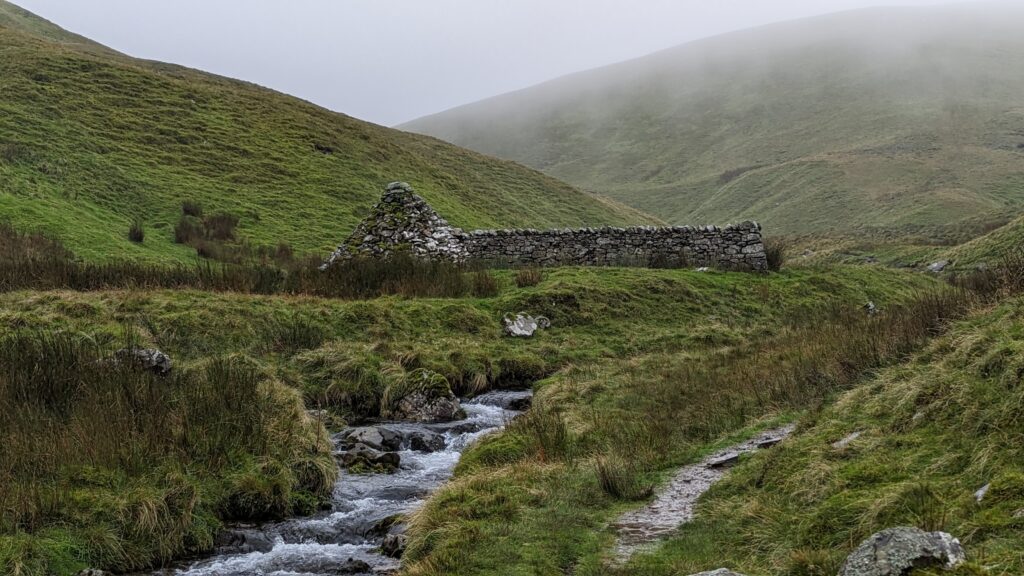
(393, 61)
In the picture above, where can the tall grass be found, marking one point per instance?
(32, 262)
(96, 446)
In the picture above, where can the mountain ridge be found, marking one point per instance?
(92, 140)
(727, 127)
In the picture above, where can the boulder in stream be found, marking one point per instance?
(394, 545)
(897, 551)
(426, 441)
(363, 455)
(376, 437)
(426, 397)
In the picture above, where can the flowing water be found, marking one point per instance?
(339, 541)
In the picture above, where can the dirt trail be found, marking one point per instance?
(675, 504)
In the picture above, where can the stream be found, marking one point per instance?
(343, 540)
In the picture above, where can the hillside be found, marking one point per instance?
(904, 120)
(91, 140)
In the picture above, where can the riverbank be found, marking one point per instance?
(345, 358)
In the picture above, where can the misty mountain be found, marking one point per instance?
(92, 140)
(906, 120)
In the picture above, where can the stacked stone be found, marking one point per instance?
(736, 247)
(402, 220)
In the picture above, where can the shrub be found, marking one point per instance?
(136, 233)
(526, 277)
(221, 226)
(192, 208)
(619, 478)
(775, 252)
(187, 231)
(485, 285)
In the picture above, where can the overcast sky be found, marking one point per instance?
(390, 61)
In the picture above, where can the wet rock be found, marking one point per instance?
(724, 460)
(421, 407)
(524, 326)
(426, 441)
(937, 267)
(428, 399)
(93, 572)
(719, 572)
(364, 455)
(516, 400)
(376, 437)
(242, 541)
(147, 359)
(897, 551)
(330, 567)
(394, 545)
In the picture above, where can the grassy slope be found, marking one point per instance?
(91, 140)
(934, 431)
(604, 320)
(894, 119)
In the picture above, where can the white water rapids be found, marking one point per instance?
(324, 544)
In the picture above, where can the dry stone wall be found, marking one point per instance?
(404, 221)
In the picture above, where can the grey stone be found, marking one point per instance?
(376, 437)
(871, 309)
(719, 572)
(524, 325)
(422, 407)
(724, 460)
(147, 359)
(93, 572)
(426, 441)
(394, 545)
(897, 551)
(937, 267)
(363, 454)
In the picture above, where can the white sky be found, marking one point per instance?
(390, 61)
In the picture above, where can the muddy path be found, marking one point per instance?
(676, 502)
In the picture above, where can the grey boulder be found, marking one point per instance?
(376, 437)
(150, 360)
(363, 454)
(524, 326)
(897, 551)
(426, 441)
(719, 572)
(937, 267)
(394, 545)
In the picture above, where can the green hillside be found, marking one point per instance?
(91, 140)
(905, 120)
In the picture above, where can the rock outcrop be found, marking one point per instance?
(897, 551)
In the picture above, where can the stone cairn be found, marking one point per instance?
(402, 220)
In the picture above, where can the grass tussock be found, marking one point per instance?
(527, 277)
(32, 262)
(105, 465)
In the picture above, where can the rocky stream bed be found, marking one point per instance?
(348, 539)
